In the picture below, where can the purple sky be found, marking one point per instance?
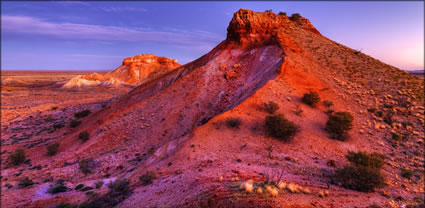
(78, 35)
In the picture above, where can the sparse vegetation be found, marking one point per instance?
(84, 136)
(147, 178)
(52, 149)
(87, 165)
(311, 98)
(233, 122)
(363, 173)
(328, 103)
(298, 110)
(25, 183)
(282, 13)
(280, 127)
(17, 157)
(99, 184)
(406, 173)
(74, 123)
(271, 107)
(339, 124)
(79, 186)
(82, 114)
(119, 187)
(57, 188)
(295, 17)
(86, 188)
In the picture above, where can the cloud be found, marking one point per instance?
(123, 9)
(26, 25)
(67, 3)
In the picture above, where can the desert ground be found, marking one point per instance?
(197, 136)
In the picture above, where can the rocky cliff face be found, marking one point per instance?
(134, 71)
(263, 27)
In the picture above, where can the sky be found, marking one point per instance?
(96, 35)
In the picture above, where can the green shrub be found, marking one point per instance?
(147, 178)
(280, 127)
(119, 187)
(395, 136)
(87, 165)
(295, 17)
(79, 186)
(52, 149)
(54, 107)
(86, 188)
(57, 188)
(311, 98)
(328, 103)
(82, 114)
(99, 184)
(25, 183)
(373, 160)
(271, 107)
(339, 124)
(233, 122)
(84, 136)
(363, 173)
(406, 173)
(372, 110)
(282, 13)
(97, 201)
(74, 123)
(379, 113)
(17, 157)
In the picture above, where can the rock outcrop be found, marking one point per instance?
(134, 71)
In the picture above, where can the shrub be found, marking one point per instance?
(311, 98)
(363, 173)
(99, 184)
(52, 149)
(57, 188)
(360, 178)
(54, 107)
(58, 126)
(406, 173)
(233, 122)
(282, 13)
(372, 110)
(395, 136)
(373, 160)
(295, 17)
(74, 123)
(84, 136)
(119, 187)
(271, 107)
(98, 201)
(86, 188)
(25, 183)
(79, 186)
(82, 114)
(278, 126)
(339, 124)
(17, 157)
(147, 178)
(87, 165)
(328, 103)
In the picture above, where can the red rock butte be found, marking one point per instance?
(134, 71)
